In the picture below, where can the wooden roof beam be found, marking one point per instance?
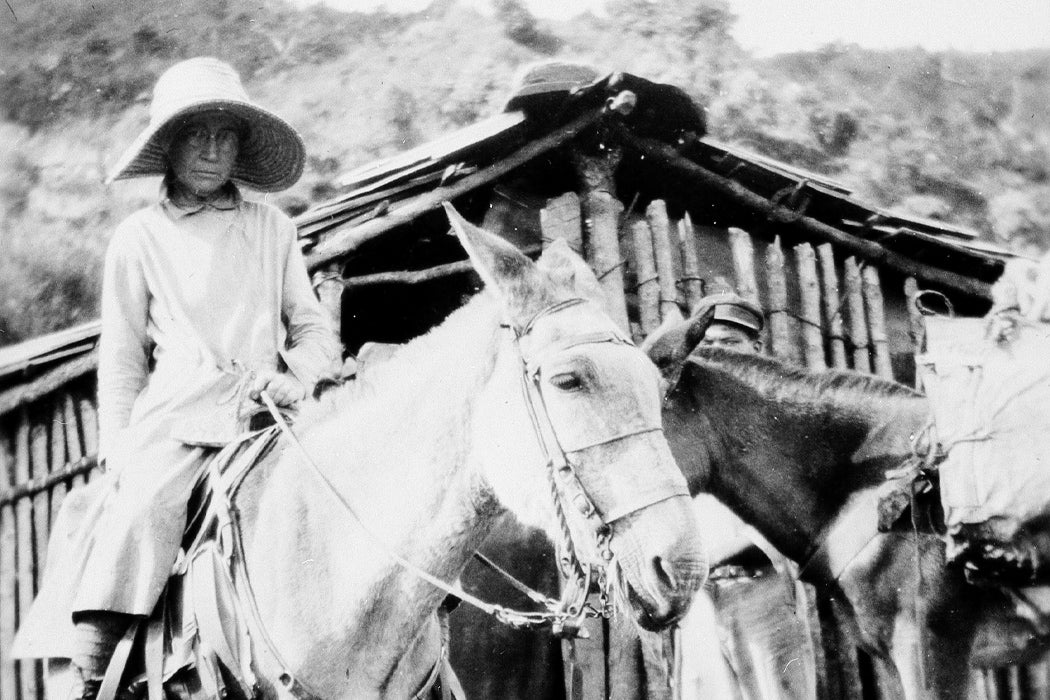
(663, 153)
(345, 239)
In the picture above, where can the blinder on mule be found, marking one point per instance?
(623, 490)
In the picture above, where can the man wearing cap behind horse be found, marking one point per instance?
(741, 639)
(736, 325)
(206, 303)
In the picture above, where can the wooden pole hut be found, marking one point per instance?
(622, 168)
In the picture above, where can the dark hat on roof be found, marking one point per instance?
(734, 309)
(549, 79)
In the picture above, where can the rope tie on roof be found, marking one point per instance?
(794, 199)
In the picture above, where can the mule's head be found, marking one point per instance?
(595, 400)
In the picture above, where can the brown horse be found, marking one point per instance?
(799, 455)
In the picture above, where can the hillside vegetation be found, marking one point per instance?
(946, 135)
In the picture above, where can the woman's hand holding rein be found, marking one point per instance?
(284, 389)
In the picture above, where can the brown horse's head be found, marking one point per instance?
(594, 399)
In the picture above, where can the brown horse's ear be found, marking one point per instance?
(568, 271)
(507, 272)
(670, 344)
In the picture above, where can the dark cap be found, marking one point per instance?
(734, 309)
(548, 80)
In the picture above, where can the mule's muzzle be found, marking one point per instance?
(662, 561)
(677, 581)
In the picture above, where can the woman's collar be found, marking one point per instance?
(226, 198)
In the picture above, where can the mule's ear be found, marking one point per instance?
(672, 341)
(567, 270)
(696, 326)
(505, 270)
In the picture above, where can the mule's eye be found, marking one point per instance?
(567, 381)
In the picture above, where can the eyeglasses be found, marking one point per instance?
(200, 137)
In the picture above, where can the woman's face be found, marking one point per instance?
(204, 152)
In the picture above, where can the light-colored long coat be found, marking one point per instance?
(194, 302)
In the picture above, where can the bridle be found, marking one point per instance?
(567, 615)
(564, 616)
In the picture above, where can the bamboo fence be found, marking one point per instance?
(47, 447)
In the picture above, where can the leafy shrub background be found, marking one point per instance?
(948, 135)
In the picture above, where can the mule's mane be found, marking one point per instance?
(458, 355)
(784, 382)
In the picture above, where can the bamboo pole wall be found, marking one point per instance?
(783, 326)
(8, 562)
(916, 327)
(858, 329)
(692, 283)
(875, 314)
(648, 282)
(744, 264)
(656, 214)
(25, 559)
(47, 447)
(602, 212)
(829, 282)
(809, 295)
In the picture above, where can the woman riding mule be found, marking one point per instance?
(529, 400)
(206, 303)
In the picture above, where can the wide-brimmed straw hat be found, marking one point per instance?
(270, 155)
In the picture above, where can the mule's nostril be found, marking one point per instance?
(665, 573)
